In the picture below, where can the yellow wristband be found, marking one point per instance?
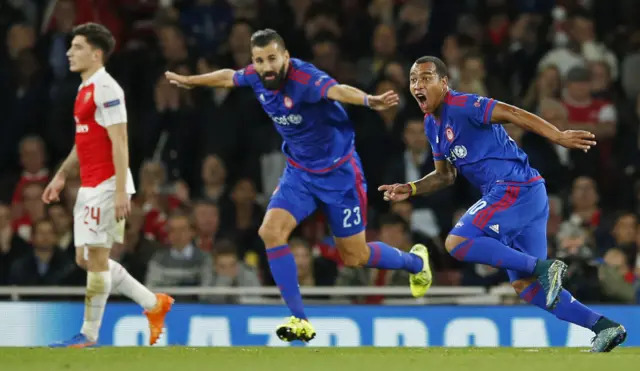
(413, 188)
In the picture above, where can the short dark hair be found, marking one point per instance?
(225, 247)
(98, 36)
(441, 68)
(35, 225)
(265, 37)
(389, 220)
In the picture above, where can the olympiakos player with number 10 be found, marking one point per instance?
(103, 201)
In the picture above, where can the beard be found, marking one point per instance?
(276, 79)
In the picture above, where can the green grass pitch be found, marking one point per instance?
(315, 359)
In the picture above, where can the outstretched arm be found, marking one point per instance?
(218, 79)
(350, 95)
(576, 139)
(443, 176)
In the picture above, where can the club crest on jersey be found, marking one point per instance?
(288, 102)
(460, 151)
(449, 134)
(477, 103)
(87, 97)
(456, 153)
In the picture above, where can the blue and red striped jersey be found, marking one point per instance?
(483, 153)
(318, 135)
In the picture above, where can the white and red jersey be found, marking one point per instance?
(99, 104)
(594, 112)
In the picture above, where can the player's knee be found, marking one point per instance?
(98, 259)
(272, 236)
(452, 242)
(520, 285)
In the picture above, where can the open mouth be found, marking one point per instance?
(270, 77)
(422, 100)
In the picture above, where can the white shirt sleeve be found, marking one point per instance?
(608, 114)
(110, 105)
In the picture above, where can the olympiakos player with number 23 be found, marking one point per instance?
(103, 201)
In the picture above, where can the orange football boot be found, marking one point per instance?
(156, 316)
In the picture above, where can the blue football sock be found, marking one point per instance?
(285, 274)
(489, 251)
(568, 308)
(384, 256)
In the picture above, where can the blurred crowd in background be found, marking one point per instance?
(207, 160)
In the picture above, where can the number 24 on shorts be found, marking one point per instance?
(351, 216)
(92, 213)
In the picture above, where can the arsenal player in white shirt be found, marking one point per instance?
(103, 201)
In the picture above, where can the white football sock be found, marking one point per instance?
(98, 288)
(128, 286)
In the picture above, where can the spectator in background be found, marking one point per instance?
(437, 255)
(171, 130)
(206, 24)
(182, 264)
(520, 63)
(57, 38)
(430, 213)
(12, 247)
(394, 231)
(173, 46)
(321, 18)
(379, 129)
(33, 161)
(582, 273)
(584, 204)
(242, 218)
(312, 271)
(454, 48)
(413, 27)
(33, 210)
(63, 225)
(474, 79)
(237, 52)
(228, 271)
(46, 264)
(630, 79)
(551, 160)
(553, 223)
(206, 216)
(326, 55)
(384, 47)
(625, 230)
(618, 282)
(547, 85)
(136, 251)
(585, 113)
(214, 176)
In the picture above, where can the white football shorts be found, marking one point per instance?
(94, 218)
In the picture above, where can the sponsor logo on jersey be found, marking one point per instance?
(286, 120)
(112, 103)
(82, 128)
(449, 134)
(288, 102)
(87, 97)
